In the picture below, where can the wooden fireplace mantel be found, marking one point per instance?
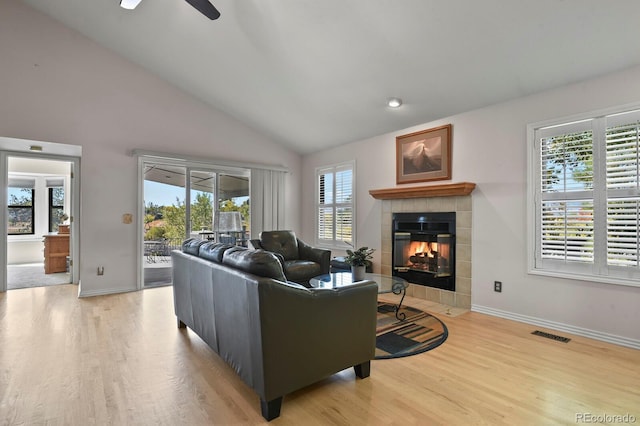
(445, 190)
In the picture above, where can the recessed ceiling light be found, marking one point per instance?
(129, 4)
(394, 102)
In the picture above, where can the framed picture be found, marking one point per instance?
(424, 156)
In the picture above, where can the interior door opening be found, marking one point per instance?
(38, 213)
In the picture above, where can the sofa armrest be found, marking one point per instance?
(318, 255)
(310, 334)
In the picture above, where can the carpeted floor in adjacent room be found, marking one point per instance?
(32, 275)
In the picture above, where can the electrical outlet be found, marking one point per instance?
(497, 286)
(100, 270)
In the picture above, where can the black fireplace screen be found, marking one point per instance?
(424, 248)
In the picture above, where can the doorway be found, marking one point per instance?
(38, 216)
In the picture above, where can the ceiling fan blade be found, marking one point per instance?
(206, 8)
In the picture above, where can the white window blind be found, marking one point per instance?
(587, 198)
(335, 205)
(567, 231)
(622, 168)
(622, 232)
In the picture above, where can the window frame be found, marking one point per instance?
(334, 243)
(600, 270)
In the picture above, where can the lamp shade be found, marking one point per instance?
(227, 222)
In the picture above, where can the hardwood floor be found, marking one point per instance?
(121, 360)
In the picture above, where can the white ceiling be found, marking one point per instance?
(312, 74)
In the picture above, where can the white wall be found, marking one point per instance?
(58, 86)
(489, 148)
(25, 251)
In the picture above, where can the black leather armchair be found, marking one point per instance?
(300, 261)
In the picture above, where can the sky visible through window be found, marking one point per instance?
(162, 194)
(17, 192)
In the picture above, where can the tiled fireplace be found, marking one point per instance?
(448, 198)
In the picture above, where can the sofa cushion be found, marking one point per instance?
(213, 251)
(283, 242)
(257, 262)
(192, 245)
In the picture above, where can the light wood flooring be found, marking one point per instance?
(121, 360)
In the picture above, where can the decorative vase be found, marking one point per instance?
(357, 272)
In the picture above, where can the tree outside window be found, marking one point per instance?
(21, 209)
(169, 220)
(56, 208)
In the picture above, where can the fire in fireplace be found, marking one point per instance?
(424, 248)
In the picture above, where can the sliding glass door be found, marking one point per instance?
(182, 201)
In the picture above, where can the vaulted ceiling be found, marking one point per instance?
(313, 74)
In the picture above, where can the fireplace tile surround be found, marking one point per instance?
(430, 200)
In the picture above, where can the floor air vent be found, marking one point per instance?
(551, 336)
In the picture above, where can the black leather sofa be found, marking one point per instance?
(277, 335)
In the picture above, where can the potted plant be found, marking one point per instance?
(359, 259)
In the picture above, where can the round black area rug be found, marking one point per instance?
(418, 333)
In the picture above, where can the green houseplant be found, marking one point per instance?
(359, 259)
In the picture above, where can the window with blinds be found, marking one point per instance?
(335, 205)
(587, 198)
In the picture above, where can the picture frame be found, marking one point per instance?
(424, 156)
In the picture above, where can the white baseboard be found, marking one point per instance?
(578, 331)
(103, 291)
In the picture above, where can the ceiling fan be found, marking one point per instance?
(203, 6)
